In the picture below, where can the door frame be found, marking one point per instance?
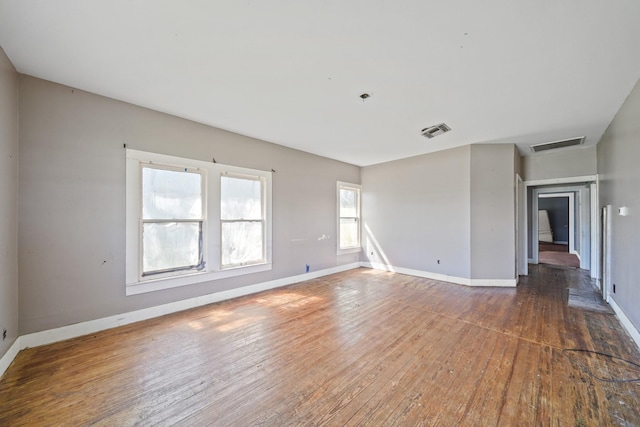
(572, 215)
(532, 223)
(605, 241)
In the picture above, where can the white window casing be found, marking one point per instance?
(209, 221)
(242, 220)
(174, 217)
(349, 228)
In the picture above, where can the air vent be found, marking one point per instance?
(536, 148)
(436, 130)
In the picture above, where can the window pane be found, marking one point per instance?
(240, 198)
(348, 202)
(170, 245)
(168, 194)
(348, 232)
(241, 243)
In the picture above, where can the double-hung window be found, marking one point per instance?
(172, 220)
(242, 220)
(190, 221)
(348, 217)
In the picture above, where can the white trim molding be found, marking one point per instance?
(212, 175)
(8, 357)
(567, 180)
(626, 322)
(503, 283)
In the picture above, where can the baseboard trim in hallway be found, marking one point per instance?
(625, 321)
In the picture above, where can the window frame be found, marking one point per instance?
(358, 189)
(178, 271)
(134, 282)
(262, 220)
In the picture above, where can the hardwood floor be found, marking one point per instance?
(356, 348)
(557, 254)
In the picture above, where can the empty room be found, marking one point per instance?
(319, 213)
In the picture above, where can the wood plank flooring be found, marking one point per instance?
(357, 348)
(557, 254)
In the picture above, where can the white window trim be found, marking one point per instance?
(203, 219)
(358, 188)
(263, 220)
(137, 285)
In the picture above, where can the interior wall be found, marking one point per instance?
(517, 163)
(492, 196)
(417, 211)
(8, 202)
(562, 163)
(532, 226)
(584, 230)
(619, 174)
(72, 202)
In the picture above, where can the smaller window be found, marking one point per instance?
(348, 217)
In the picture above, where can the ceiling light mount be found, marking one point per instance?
(433, 131)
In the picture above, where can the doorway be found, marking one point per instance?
(586, 237)
(556, 229)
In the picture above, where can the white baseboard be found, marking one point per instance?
(8, 357)
(499, 283)
(443, 277)
(91, 326)
(631, 329)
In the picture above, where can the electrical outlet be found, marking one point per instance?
(4, 334)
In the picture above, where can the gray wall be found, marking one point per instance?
(72, 202)
(417, 210)
(8, 202)
(565, 163)
(518, 163)
(456, 206)
(493, 211)
(618, 155)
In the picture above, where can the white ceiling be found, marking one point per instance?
(291, 72)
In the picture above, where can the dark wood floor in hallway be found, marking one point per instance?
(357, 348)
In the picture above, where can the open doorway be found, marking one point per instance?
(586, 213)
(556, 229)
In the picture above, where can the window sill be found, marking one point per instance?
(159, 284)
(349, 250)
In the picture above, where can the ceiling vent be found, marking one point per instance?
(536, 148)
(436, 130)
